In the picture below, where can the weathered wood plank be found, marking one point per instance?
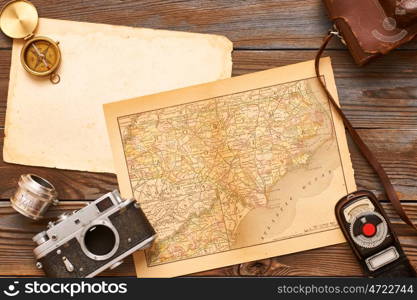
(5, 57)
(380, 95)
(17, 259)
(250, 24)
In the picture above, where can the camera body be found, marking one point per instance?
(97, 237)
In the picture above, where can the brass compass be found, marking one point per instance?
(40, 56)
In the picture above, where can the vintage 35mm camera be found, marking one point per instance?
(94, 238)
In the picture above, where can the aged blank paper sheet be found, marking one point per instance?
(233, 171)
(63, 125)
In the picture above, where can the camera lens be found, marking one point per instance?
(99, 240)
(41, 181)
(33, 196)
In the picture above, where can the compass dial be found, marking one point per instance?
(40, 56)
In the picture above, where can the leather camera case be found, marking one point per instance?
(371, 28)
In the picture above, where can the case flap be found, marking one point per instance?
(373, 23)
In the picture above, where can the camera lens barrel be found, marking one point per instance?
(33, 196)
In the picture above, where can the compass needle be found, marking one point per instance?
(40, 55)
(37, 50)
(38, 61)
(44, 52)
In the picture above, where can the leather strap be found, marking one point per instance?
(366, 152)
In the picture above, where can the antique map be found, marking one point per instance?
(235, 171)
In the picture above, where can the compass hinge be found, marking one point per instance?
(28, 37)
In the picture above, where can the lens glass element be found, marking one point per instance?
(41, 181)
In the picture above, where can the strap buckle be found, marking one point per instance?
(335, 32)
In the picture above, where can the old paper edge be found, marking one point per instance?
(15, 157)
(294, 72)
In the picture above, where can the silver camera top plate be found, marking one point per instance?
(76, 224)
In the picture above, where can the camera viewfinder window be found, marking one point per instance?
(104, 204)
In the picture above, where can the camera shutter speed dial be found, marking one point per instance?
(368, 229)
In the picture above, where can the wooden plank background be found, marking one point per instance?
(380, 99)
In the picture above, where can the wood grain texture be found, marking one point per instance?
(17, 259)
(250, 24)
(380, 99)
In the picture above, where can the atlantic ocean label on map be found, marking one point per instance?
(233, 171)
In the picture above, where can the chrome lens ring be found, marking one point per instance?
(33, 196)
